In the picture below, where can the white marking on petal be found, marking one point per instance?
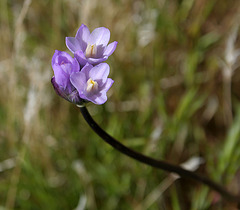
(91, 51)
(91, 85)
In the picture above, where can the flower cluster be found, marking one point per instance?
(84, 78)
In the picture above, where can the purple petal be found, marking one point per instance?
(95, 61)
(73, 44)
(79, 55)
(86, 70)
(100, 99)
(66, 67)
(107, 85)
(73, 97)
(83, 96)
(63, 65)
(57, 89)
(63, 57)
(82, 35)
(83, 60)
(78, 80)
(70, 67)
(100, 72)
(75, 65)
(54, 56)
(99, 36)
(110, 49)
(100, 50)
(61, 77)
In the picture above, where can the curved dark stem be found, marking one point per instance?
(155, 163)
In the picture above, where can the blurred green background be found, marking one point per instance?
(176, 96)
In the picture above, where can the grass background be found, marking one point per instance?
(176, 96)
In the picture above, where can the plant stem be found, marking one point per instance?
(153, 162)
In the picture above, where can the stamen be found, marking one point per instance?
(91, 51)
(91, 85)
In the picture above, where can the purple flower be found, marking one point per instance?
(64, 66)
(92, 83)
(92, 47)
